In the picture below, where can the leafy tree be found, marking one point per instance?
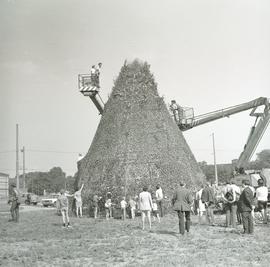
(52, 181)
(70, 183)
(225, 171)
(262, 160)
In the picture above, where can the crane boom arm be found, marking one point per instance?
(254, 138)
(185, 122)
(218, 114)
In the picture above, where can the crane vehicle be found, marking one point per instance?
(185, 119)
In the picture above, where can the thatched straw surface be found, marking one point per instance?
(137, 142)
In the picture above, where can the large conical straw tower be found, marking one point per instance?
(137, 142)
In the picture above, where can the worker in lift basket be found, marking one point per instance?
(93, 75)
(97, 75)
(177, 111)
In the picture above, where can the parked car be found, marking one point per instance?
(50, 201)
(31, 199)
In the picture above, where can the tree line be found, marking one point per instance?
(55, 179)
(225, 171)
(50, 182)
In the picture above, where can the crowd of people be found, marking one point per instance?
(238, 203)
(148, 205)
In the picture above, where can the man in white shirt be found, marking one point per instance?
(159, 197)
(237, 193)
(98, 68)
(262, 197)
(123, 205)
(93, 75)
(230, 204)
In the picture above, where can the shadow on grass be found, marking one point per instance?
(166, 232)
(57, 224)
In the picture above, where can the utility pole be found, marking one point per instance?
(17, 157)
(23, 151)
(215, 165)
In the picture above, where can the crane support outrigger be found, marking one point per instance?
(185, 119)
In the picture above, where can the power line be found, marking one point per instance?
(53, 151)
(44, 151)
(8, 151)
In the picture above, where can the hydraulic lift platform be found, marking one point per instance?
(88, 89)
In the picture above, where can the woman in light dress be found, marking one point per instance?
(78, 201)
(200, 205)
(145, 205)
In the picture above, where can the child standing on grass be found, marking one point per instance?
(63, 203)
(132, 205)
(155, 211)
(123, 205)
(95, 205)
(108, 208)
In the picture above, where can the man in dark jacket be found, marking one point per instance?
(182, 201)
(246, 203)
(208, 198)
(14, 199)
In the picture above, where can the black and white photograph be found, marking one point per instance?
(134, 133)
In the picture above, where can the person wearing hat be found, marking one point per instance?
(14, 199)
(182, 201)
(246, 204)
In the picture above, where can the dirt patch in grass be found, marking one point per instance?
(39, 240)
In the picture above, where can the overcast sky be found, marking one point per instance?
(204, 54)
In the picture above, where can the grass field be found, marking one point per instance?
(39, 240)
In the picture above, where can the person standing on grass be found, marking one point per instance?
(182, 201)
(261, 196)
(237, 192)
(253, 193)
(200, 205)
(155, 211)
(123, 205)
(145, 205)
(14, 199)
(132, 205)
(78, 201)
(230, 204)
(108, 208)
(63, 204)
(208, 198)
(246, 206)
(159, 197)
(95, 206)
